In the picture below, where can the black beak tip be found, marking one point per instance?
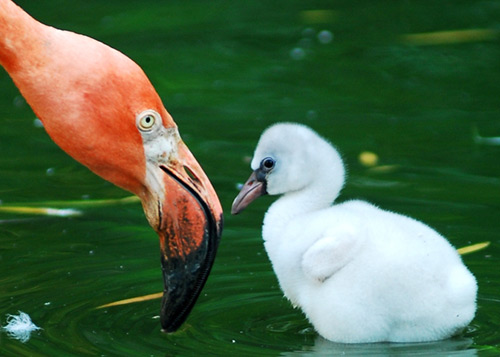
(182, 288)
(184, 278)
(171, 317)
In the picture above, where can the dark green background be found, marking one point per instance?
(225, 72)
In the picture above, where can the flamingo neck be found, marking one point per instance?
(17, 38)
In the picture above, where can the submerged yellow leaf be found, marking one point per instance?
(383, 169)
(132, 300)
(105, 202)
(65, 207)
(472, 248)
(368, 158)
(89, 203)
(67, 212)
(450, 37)
(318, 16)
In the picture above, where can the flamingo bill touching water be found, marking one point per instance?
(100, 108)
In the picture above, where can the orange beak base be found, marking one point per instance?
(189, 237)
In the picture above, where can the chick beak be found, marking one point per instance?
(252, 189)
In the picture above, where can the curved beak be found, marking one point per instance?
(189, 227)
(251, 190)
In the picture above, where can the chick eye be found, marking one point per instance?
(268, 163)
(146, 120)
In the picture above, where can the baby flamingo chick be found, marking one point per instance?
(359, 273)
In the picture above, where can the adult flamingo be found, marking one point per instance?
(99, 107)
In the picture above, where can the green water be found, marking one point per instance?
(226, 70)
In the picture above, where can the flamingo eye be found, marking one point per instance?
(147, 120)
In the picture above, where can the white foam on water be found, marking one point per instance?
(20, 326)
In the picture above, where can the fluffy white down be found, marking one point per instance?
(359, 273)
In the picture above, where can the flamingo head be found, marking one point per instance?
(99, 107)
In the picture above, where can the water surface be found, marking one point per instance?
(226, 71)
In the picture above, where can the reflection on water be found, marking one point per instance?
(227, 70)
(451, 347)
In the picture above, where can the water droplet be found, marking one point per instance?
(19, 102)
(308, 32)
(305, 43)
(325, 37)
(311, 115)
(297, 53)
(37, 123)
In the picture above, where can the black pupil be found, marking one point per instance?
(148, 119)
(268, 163)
